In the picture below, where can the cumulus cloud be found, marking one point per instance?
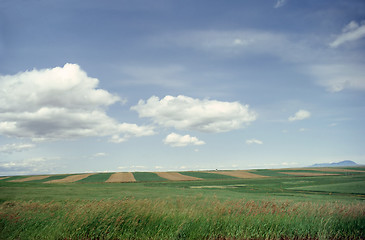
(280, 3)
(351, 32)
(337, 77)
(254, 141)
(15, 147)
(59, 103)
(176, 140)
(186, 113)
(300, 115)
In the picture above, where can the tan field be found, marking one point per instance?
(30, 179)
(121, 177)
(308, 174)
(72, 178)
(174, 176)
(334, 170)
(239, 174)
(1, 178)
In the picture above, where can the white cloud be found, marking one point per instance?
(59, 103)
(28, 166)
(176, 140)
(280, 3)
(337, 77)
(187, 113)
(100, 154)
(300, 115)
(351, 32)
(14, 147)
(254, 141)
(243, 43)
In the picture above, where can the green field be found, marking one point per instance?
(100, 177)
(147, 177)
(276, 207)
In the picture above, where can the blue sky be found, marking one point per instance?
(180, 85)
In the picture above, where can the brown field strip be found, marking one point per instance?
(121, 177)
(30, 179)
(308, 174)
(334, 170)
(174, 176)
(72, 178)
(239, 174)
(1, 178)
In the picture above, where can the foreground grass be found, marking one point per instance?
(323, 207)
(182, 218)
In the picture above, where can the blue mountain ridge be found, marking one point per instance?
(345, 163)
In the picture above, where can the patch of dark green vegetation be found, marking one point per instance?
(50, 178)
(14, 178)
(205, 175)
(360, 168)
(96, 178)
(147, 177)
(319, 171)
(269, 173)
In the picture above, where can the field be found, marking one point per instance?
(255, 204)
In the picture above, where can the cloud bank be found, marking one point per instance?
(59, 103)
(176, 140)
(186, 113)
(14, 147)
(300, 115)
(338, 77)
(351, 32)
(27, 166)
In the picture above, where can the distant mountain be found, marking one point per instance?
(346, 163)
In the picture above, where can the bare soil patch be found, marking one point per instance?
(72, 178)
(121, 177)
(308, 174)
(174, 176)
(1, 178)
(29, 179)
(240, 174)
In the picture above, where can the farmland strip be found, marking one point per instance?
(334, 170)
(30, 179)
(72, 178)
(1, 178)
(174, 176)
(121, 177)
(308, 174)
(240, 174)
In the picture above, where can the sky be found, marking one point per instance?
(167, 85)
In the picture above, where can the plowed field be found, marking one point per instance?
(121, 177)
(174, 176)
(72, 178)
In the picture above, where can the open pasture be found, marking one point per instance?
(281, 206)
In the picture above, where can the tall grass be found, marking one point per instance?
(182, 218)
